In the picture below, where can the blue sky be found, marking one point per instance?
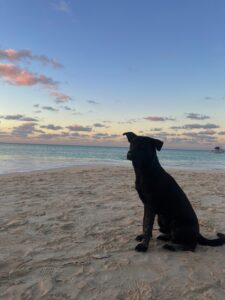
(83, 72)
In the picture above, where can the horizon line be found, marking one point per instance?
(100, 146)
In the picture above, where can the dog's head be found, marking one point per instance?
(142, 148)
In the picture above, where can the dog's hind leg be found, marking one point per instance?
(164, 224)
(171, 247)
(184, 238)
(164, 237)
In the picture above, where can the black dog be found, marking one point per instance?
(162, 196)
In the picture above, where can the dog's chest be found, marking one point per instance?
(145, 193)
(149, 193)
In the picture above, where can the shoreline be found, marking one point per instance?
(102, 166)
(70, 234)
(14, 159)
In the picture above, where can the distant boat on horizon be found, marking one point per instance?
(217, 149)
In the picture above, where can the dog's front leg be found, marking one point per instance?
(148, 222)
(140, 237)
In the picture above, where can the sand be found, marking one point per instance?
(69, 234)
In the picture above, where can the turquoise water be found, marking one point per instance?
(23, 157)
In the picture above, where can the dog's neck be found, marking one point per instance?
(152, 167)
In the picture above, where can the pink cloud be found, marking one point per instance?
(16, 75)
(60, 97)
(17, 55)
(22, 77)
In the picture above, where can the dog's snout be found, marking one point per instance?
(129, 155)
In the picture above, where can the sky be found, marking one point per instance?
(83, 72)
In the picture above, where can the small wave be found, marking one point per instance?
(24, 158)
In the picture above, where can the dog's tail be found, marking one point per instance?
(213, 243)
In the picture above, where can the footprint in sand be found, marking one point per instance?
(47, 272)
(68, 226)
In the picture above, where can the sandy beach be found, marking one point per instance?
(69, 234)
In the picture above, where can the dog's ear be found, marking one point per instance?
(130, 136)
(158, 144)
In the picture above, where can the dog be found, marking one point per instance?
(164, 198)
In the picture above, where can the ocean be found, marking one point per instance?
(27, 157)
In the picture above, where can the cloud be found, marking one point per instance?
(112, 136)
(104, 136)
(164, 134)
(50, 108)
(36, 105)
(99, 125)
(199, 136)
(62, 6)
(177, 127)
(18, 117)
(129, 121)
(207, 132)
(29, 119)
(63, 135)
(99, 135)
(39, 131)
(156, 129)
(221, 132)
(67, 108)
(60, 97)
(208, 98)
(92, 102)
(24, 130)
(198, 126)
(158, 119)
(192, 138)
(22, 77)
(4, 134)
(15, 75)
(216, 99)
(51, 127)
(12, 117)
(24, 54)
(52, 135)
(195, 126)
(18, 76)
(79, 135)
(197, 116)
(205, 137)
(79, 128)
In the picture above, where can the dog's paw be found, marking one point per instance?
(221, 235)
(169, 247)
(141, 247)
(139, 237)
